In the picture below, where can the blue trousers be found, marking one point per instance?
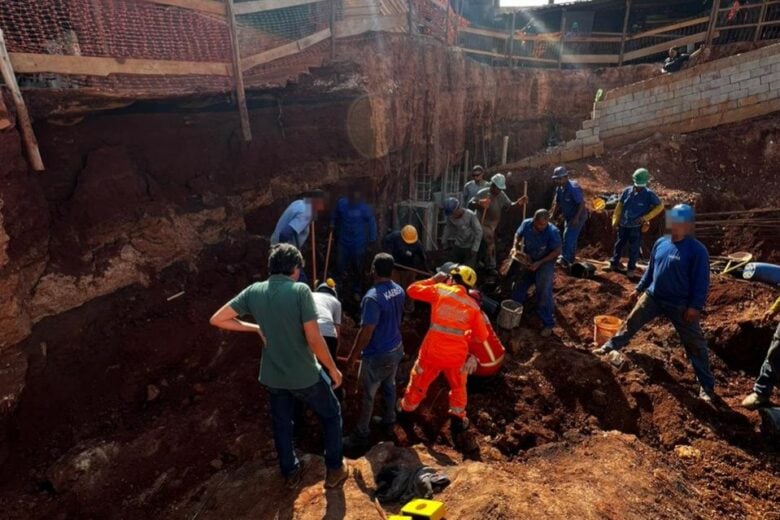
(769, 377)
(543, 279)
(321, 399)
(350, 259)
(378, 372)
(631, 236)
(691, 335)
(571, 233)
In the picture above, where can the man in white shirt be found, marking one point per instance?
(328, 314)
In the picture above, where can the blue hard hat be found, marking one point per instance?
(450, 205)
(559, 172)
(682, 214)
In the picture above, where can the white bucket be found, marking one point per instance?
(509, 317)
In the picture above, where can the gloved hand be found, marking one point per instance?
(470, 366)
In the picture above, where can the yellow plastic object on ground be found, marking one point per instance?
(399, 517)
(420, 509)
(604, 327)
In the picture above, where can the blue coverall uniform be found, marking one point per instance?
(569, 198)
(635, 204)
(355, 226)
(677, 278)
(537, 245)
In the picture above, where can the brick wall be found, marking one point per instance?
(715, 93)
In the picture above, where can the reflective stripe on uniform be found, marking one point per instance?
(489, 350)
(467, 301)
(492, 363)
(447, 330)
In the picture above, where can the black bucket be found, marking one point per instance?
(770, 423)
(582, 270)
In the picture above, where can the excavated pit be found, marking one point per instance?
(125, 404)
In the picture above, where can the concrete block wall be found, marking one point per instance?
(719, 92)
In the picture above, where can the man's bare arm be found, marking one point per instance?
(226, 318)
(361, 340)
(320, 349)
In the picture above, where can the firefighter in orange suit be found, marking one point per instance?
(486, 357)
(455, 320)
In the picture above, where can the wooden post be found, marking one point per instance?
(512, 41)
(410, 17)
(504, 150)
(313, 254)
(447, 30)
(625, 31)
(562, 39)
(238, 74)
(457, 22)
(22, 115)
(332, 29)
(761, 18)
(713, 22)
(466, 165)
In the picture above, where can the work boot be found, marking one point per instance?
(458, 425)
(603, 350)
(546, 332)
(336, 477)
(563, 262)
(755, 401)
(631, 274)
(707, 395)
(614, 267)
(294, 479)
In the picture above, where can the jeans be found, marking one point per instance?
(631, 236)
(691, 335)
(571, 233)
(321, 399)
(375, 372)
(350, 260)
(769, 376)
(543, 279)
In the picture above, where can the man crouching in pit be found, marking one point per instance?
(286, 318)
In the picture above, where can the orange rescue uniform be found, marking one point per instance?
(489, 353)
(455, 320)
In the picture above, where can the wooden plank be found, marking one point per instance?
(287, 49)
(664, 46)
(484, 32)
(346, 28)
(625, 30)
(673, 27)
(238, 75)
(259, 6)
(23, 116)
(27, 63)
(205, 6)
(590, 58)
(484, 53)
(713, 21)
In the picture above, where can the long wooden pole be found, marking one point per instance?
(625, 31)
(761, 18)
(332, 29)
(511, 50)
(327, 256)
(238, 75)
(525, 194)
(713, 22)
(562, 38)
(313, 255)
(25, 123)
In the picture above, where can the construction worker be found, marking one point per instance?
(675, 286)
(476, 183)
(294, 224)
(355, 227)
(286, 318)
(637, 206)
(538, 243)
(570, 202)
(328, 314)
(462, 233)
(455, 320)
(769, 377)
(378, 346)
(407, 251)
(486, 357)
(493, 201)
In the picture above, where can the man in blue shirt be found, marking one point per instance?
(355, 227)
(637, 206)
(540, 243)
(570, 202)
(294, 224)
(379, 343)
(675, 286)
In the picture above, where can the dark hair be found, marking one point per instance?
(283, 259)
(383, 265)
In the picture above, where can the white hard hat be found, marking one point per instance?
(499, 180)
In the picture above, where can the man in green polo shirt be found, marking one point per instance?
(286, 319)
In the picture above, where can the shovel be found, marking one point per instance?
(737, 260)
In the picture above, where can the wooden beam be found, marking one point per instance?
(332, 25)
(287, 49)
(23, 116)
(26, 63)
(238, 73)
(205, 6)
(667, 28)
(563, 37)
(258, 6)
(625, 30)
(713, 22)
(512, 40)
(591, 58)
(661, 47)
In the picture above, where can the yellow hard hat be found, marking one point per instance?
(409, 234)
(598, 204)
(466, 273)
